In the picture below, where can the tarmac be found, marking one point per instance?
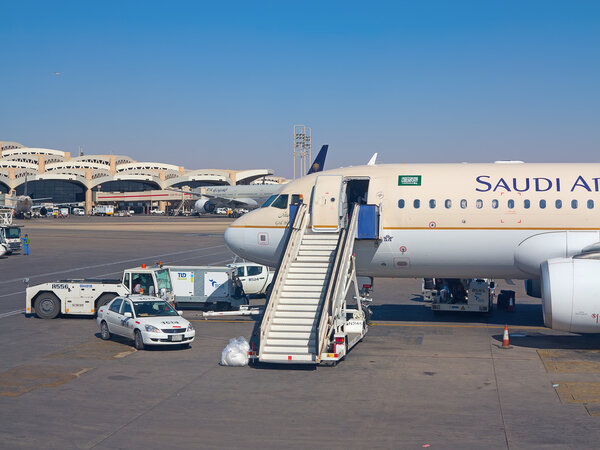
(418, 380)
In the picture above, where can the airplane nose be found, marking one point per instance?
(234, 238)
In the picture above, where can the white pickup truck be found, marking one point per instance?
(84, 297)
(256, 279)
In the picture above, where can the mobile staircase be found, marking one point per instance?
(307, 320)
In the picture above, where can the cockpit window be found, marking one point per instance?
(296, 199)
(281, 202)
(269, 201)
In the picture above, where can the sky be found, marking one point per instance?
(221, 84)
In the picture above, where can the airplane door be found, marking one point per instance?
(327, 203)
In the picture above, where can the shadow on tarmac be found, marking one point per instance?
(548, 341)
(524, 315)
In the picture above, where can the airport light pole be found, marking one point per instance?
(302, 148)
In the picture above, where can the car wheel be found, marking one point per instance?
(104, 332)
(139, 341)
(268, 291)
(47, 306)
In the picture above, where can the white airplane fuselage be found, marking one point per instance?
(455, 220)
(436, 240)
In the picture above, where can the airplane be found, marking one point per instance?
(250, 196)
(503, 220)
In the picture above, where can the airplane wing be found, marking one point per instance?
(373, 160)
(319, 162)
(54, 205)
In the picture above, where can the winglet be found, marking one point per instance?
(373, 160)
(319, 162)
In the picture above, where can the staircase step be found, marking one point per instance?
(312, 266)
(303, 252)
(292, 328)
(293, 321)
(329, 248)
(284, 307)
(300, 277)
(305, 270)
(302, 287)
(299, 301)
(306, 258)
(289, 350)
(295, 314)
(288, 342)
(295, 294)
(280, 358)
(302, 335)
(320, 237)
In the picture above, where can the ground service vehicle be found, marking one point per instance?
(104, 210)
(256, 278)
(207, 286)
(454, 294)
(10, 237)
(84, 297)
(145, 319)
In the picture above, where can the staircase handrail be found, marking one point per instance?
(288, 255)
(338, 272)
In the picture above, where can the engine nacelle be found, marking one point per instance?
(533, 287)
(204, 205)
(571, 294)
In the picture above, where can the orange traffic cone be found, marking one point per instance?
(505, 343)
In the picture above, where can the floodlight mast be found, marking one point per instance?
(302, 149)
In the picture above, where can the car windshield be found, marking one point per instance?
(153, 308)
(163, 280)
(269, 201)
(13, 233)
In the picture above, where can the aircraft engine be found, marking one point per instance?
(204, 205)
(571, 294)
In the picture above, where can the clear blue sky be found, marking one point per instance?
(221, 84)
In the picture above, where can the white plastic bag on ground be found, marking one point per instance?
(236, 353)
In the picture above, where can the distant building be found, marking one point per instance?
(55, 175)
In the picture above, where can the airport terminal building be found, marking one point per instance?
(87, 179)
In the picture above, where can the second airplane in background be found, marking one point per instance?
(246, 196)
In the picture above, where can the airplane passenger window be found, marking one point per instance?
(401, 203)
(479, 203)
(281, 202)
(511, 204)
(526, 204)
(542, 204)
(590, 204)
(432, 203)
(558, 204)
(417, 203)
(574, 204)
(448, 203)
(463, 203)
(269, 201)
(494, 203)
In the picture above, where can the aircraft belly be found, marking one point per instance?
(442, 253)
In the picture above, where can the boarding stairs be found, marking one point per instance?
(307, 304)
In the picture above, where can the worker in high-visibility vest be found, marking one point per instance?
(26, 244)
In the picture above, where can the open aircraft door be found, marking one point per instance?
(327, 203)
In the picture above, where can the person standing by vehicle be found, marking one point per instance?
(26, 244)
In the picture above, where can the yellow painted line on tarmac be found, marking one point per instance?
(450, 325)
